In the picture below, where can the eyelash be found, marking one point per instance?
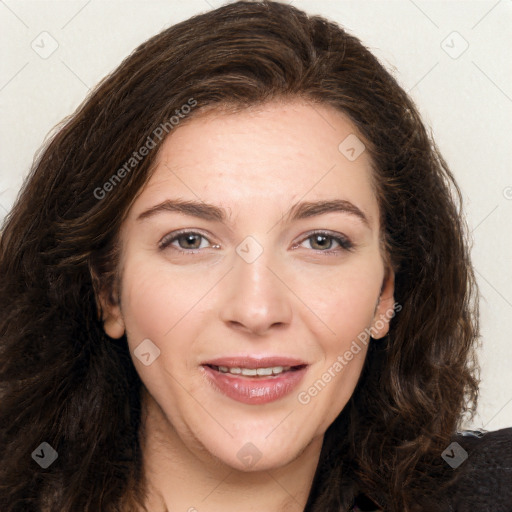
(345, 243)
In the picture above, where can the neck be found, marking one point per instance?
(177, 478)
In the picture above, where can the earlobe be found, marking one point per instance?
(113, 325)
(385, 309)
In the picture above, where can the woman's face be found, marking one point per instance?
(239, 275)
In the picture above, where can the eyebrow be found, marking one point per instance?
(298, 211)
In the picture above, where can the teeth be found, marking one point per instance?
(252, 372)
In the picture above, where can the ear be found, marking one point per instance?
(108, 305)
(113, 322)
(385, 309)
(109, 310)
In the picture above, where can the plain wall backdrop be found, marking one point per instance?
(453, 57)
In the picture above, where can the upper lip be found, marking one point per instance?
(255, 362)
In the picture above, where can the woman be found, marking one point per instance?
(311, 349)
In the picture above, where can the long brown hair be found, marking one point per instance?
(64, 382)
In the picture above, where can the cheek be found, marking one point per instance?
(344, 299)
(163, 308)
(155, 304)
(343, 343)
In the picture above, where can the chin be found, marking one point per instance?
(254, 456)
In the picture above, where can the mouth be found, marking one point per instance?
(254, 381)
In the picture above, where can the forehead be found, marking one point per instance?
(275, 154)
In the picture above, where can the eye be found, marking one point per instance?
(322, 241)
(188, 241)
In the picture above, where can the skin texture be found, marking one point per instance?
(293, 300)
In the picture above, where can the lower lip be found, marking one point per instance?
(255, 391)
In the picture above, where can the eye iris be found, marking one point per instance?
(319, 238)
(190, 238)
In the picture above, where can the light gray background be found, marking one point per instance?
(464, 96)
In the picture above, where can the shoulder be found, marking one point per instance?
(481, 463)
(476, 475)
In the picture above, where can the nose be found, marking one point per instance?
(256, 298)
